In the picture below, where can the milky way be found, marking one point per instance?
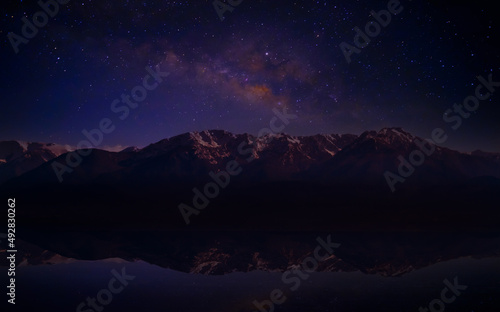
(230, 74)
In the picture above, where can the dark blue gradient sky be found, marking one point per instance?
(230, 74)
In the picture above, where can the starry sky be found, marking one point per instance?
(230, 74)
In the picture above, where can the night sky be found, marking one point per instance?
(230, 74)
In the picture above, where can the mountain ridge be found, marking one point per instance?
(278, 177)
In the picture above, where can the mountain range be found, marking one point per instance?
(280, 180)
(18, 157)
